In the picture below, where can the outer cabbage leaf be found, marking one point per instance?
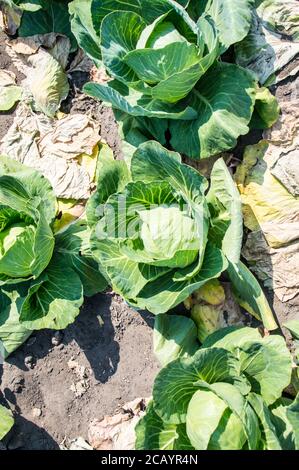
(54, 299)
(270, 438)
(135, 103)
(174, 336)
(72, 246)
(148, 10)
(293, 327)
(227, 232)
(292, 413)
(180, 379)
(284, 430)
(153, 434)
(9, 95)
(224, 99)
(266, 111)
(52, 17)
(12, 332)
(232, 17)
(265, 361)
(83, 30)
(6, 421)
(226, 212)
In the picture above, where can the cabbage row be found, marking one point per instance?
(156, 230)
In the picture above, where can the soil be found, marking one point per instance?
(106, 356)
(112, 342)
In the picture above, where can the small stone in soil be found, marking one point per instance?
(18, 385)
(29, 362)
(36, 412)
(57, 338)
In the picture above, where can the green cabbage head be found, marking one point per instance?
(167, 80)
(228, 395)
(27, 210)
(44, 274)
(159, 234)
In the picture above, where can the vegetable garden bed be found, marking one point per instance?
(155, 307)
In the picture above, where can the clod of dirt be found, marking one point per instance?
(80, 371)
(79, 388)
(18, 383)
(29, 362)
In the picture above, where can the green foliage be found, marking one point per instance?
(157, 233)
(6, 421)
(227, 395)
(163, 58)
(43, 276)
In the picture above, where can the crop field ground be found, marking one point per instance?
(60, 385)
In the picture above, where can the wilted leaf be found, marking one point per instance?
(117, 432)
(268, 183)
(74, 135)
(10, 17)
(7, 78)
(65, 151)
(276, 267)
(9, 92)
(267, 203)
(48, 83)
(281, 17)
(68, 211)
(265, 51)
(9, 95)
(42, 59)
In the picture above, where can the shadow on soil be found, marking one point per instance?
(24, 434)
(93, 331)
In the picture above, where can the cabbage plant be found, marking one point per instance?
(43, 275)
(159, 234)
(226, 396)
(164, 58)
